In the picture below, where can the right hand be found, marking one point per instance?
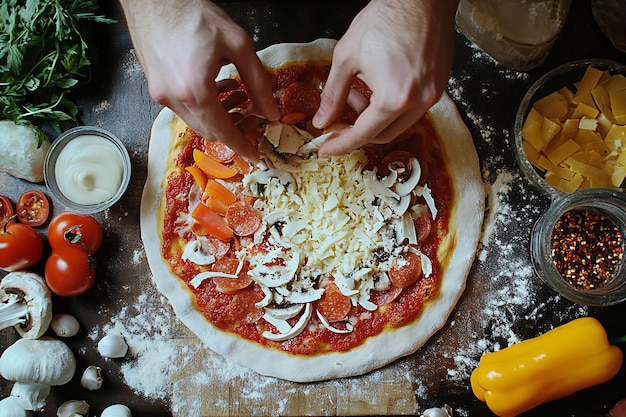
(181, 46)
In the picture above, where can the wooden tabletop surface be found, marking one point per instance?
(504, 302)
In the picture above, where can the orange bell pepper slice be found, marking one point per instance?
(208, 222)
(199, 176)
(211, 166)
(215, 190)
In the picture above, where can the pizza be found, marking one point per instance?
(307, 268)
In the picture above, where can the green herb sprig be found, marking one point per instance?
(43, 58)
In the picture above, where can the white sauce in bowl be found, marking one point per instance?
(89, 169)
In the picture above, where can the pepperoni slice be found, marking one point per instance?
(301, 97)
(386, 297)
(242, 308)
(423, 226)
(405, 270)
(284, 77)
(333, 305)
(229, 265)
(243, 219)
(220, 151)
(214, 246)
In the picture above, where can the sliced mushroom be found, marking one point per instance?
(26, 304)
(35, 365)
(295, 330)
(408, 184)
(284, 313)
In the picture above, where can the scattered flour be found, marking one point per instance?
(500, 306)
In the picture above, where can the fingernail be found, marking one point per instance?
(318, 119)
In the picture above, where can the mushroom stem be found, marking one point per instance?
(13, 311)
(32, 395)
(25, 303)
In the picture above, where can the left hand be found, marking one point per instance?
(403, 50)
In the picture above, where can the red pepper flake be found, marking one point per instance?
(587, 248)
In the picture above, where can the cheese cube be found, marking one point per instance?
(617, 100)
(553, 105)
(590, 79)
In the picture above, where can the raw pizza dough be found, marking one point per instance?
(465, 228)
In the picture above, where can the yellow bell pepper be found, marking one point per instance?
(566, 359)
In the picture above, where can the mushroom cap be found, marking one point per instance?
(45, 361)
(33, 290)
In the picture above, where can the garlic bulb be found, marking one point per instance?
(112, 346)
(92, 378)
(116, 410)
(444, 411)
(64, 325)
(13, 407)
(73, 408)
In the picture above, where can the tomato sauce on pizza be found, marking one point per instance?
(265, 261)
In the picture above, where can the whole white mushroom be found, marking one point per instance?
(25, 303)
(35, 365)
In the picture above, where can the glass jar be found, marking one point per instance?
(519, 34)
(609, 203)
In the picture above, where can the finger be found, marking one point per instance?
(357, 100)
(258, 83)
(211, 121)
(398, 127)
(368, 125)
(227, 84)
(234, 99)
(333, 96)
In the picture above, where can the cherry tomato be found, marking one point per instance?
(20, 246)
(33, 208)
(70, 273)
(6, 210)
(69, 230)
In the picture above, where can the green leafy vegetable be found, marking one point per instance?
(43, 57)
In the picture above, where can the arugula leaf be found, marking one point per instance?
(43, 58)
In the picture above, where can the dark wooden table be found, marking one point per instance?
(487, 96)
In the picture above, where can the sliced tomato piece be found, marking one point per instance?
(333, 305)
(242, 219)
(6, 210)
(405, 270)
(33, 208)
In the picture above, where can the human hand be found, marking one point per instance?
(403, 50)
(181, 46)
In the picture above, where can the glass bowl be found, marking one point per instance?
(609, 203)
(563, 76)
(87, 169)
